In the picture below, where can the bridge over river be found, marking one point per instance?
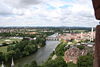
(54, 37)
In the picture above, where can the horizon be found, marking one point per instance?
(48, 26)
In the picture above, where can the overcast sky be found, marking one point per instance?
(47, 13)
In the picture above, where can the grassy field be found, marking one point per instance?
(79, 31)
(3, 49)
(9, 40)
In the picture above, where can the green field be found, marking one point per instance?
(79, 31)
(9, 40)
(3, 49)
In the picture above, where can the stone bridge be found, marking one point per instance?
(53, 37)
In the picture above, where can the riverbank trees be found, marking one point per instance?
(59, 51)
(32, 64)
(58, 62)
(21, 49)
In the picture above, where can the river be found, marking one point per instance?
(40, 56)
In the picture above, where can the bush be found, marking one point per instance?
(85, 61)
(81, 47)
(58, 62)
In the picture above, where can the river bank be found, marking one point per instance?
(40, 56)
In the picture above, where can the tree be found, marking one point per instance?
(33, 64)
(1, 57)
(81, 47)
(85, 61)
(58, 62)
(26, 65)
(60, 49)
(71, 64)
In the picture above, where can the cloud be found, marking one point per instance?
(47, 13)
(5, 10)
(22, 3)
(30, 2)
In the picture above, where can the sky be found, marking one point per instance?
(78, 13)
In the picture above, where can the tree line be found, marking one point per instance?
(21, 49)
